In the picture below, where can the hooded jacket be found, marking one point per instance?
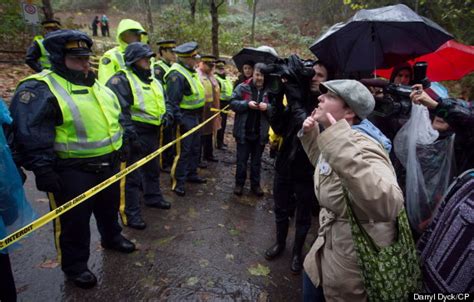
(113, 59)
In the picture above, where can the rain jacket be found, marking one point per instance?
(110, 62)
(358, 161)
(242, 95)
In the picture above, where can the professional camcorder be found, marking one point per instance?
(395, 101)
(290, 69)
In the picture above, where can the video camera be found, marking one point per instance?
(291, 68)
(396, 97)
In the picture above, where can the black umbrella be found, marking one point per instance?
(378, 38)
(262, 54)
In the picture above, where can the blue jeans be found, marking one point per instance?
(311, 293)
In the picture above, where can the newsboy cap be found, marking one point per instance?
(353, 93)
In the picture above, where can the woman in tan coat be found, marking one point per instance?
(212, 96)
(351, 153)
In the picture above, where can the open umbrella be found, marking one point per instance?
(378, 38)
(262, 54)
(451, 61)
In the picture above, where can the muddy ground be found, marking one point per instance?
(208, 247)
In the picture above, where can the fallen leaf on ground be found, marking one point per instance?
(229, 257)
(164, 241)
(203, 263)
(259, 270)
(44, 200)
(221, 225)
(192, 281)
(50, 263)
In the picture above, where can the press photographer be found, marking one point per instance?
(293, 183)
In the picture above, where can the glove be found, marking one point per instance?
(48, 181)
(167, 121)
(124, 152)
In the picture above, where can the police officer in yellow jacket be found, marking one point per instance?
(143, 103)
(160, 68)
(167, 58)
(67, 131)
(128, 31)
(186, 99)
(226, 88)
(36, 55)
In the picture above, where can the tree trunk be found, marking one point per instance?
(254, 15)
(215, 27)
(149, 16)
(192, 4)
(47, 9)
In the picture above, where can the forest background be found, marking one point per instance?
(223, 27)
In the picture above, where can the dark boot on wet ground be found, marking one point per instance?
(297, 258)
(276, 249)
(85, 279)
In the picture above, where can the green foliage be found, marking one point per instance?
(15, 34)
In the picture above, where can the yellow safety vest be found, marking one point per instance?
(117, 62)
(43, 60)
(148, 100)
(90, 115)
(226, 88)
(163, 65)
(196, 99)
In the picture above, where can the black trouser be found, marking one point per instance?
(190, 147)
(7, 283)
(284, 188)
(94, 31)
(221, 132)
(167, 157)
(147, 177)
(207, 148)
(254, 150)
(72, 228)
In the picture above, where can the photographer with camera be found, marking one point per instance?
(251, 105)
(293, 185)
(459, 115)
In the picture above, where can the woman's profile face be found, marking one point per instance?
(247, 70)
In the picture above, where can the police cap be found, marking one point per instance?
(166, 44)
(210, 59)
(66, 41)
(220, 63)
(187, 50)
(51, 23)
(136, 51)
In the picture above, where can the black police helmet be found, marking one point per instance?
(66, 41)
(137, 50)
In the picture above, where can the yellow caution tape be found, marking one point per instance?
(221, 110)
(7, 241)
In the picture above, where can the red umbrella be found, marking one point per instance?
(451, 61)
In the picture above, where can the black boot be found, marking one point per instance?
(297, 259)
(276, 249)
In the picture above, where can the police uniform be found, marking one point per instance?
(186, 99)
(143, 104)
(66, 130)
(226, 88)
(113, 60)
(159, 69)
(37, 55)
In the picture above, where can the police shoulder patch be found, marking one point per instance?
(174, 78)
(157, 71)
(115, 80)
(105, 61)
(26, 96)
